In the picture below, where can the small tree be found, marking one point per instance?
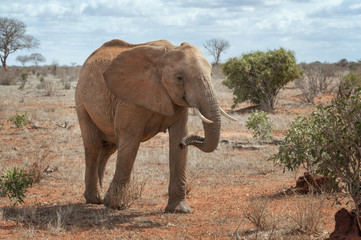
(23, 59)
(260, 124)
(332, 147)
(36, 58)
(13, 37)
(215, 47)
(343, 62)
(259, 76)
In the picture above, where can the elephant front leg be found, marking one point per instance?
(178, 168)
(116, 195)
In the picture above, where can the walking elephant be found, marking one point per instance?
(126, 94)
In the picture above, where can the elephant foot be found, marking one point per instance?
(178, 207)
(94, 198)
(115, 199)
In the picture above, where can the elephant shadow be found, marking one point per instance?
(79, 216)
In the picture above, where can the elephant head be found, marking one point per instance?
(158, 77)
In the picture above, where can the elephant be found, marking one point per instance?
(126, 94)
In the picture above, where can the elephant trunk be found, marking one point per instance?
(209, 107)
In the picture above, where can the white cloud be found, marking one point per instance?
(355, 6)
(69, 30)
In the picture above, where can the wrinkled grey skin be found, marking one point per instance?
(128, 93)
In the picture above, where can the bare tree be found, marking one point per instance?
(36, 58)
(54, 67)
(23, 59)
(13, 37)
(215, 47)
(318, 78)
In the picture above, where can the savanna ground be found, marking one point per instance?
(227, 188)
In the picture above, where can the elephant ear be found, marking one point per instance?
(133, 76)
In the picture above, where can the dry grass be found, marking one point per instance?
(258, 214)
(129, 193)
(220, 184)
(302, 220)
(308, 216)
(10, 77)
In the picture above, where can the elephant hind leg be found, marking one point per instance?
(92, 188)
(93, 145)
(107, 150)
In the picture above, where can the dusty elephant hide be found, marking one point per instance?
(128, 93)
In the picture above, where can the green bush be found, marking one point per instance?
(14, 184)
(260, 124)
(349, 84)
(259, 76)
(329, 142)
(20, 120)
(300, 145)
(24, 76)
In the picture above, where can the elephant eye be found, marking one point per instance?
(179, 78)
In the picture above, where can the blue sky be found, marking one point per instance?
(70, 30)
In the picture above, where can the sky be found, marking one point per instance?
(70, 30)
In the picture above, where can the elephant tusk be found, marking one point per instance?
(226, 115)
(199, 114)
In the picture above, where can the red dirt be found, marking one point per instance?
(222, 184)
(312, 184)
(346, 226)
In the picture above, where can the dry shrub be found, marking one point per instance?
(68, 75)
(266, 223)
(305, 221)
(128, 194)
(37, 168)
(257, 213)
(308, 216)
(28, 232)
(8, 77)
(318, 78)
(132, 191)
(67, 85)
(49, 87)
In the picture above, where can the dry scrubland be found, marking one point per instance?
(230, 190)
